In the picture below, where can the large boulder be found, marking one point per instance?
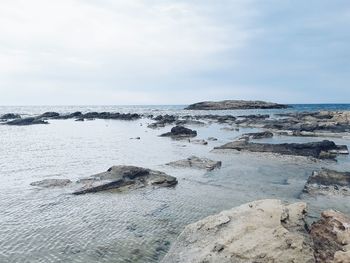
(322, 150)
(196, 162)
(124, 176)
(328, 181)
(331, 237)
(179, 132)
(260, 231)
(234, 105)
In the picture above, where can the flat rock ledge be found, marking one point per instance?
(121, 176)
(180, 132)
(328, 182)
(196, 162)
(260, 231)
(234, 105)
(320, 150)
(47, 183)
(264, 231)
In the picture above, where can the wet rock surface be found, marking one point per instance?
(10, 116)
(328, 181)
(234, 104)
(120, 176)
(260, 231)
(196, 162)
(331, 237)
(46, 183)
(257, 135)
(321, 150)
(180, 132)
(26, 121)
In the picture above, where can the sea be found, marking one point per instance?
(52, 225)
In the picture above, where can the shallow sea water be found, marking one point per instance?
(51, 225)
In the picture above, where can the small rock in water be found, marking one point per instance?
(26, 121)
(52, 183)
(212, 139)
(180, 132)
(201, 142)
(196, 162)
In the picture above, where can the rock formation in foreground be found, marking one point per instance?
(328, 181)
(321, 150)
(125, 176)
(234, 105)
(196, 162)
(331, 237)
(261, 231)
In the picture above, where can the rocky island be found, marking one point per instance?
(235, 105)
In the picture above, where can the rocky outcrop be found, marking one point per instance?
(26, 121)
(260, 231)
(122, 176)
(111, 115)
(10, 116)
(257, 135)
(49, 115)
(52, 183)
(328, 181)
(322, 150)
(196, 162)
(162, 121)
(180, 132)
(331, 237)
(234, 105)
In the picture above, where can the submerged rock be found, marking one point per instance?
(260, 231)
(234, 104)
(257, 135)
(52, 183)
(26, 121)
(322, 150)
(331, 237)
(328, 182)
(121, 176)
(196, 162)
(10, 116)
(179, 132)
(201, 142)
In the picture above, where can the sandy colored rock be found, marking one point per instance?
(260, 231)
(196, 162)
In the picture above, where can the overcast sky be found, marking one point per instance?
(173, 51)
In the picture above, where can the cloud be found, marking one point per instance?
(154, 52)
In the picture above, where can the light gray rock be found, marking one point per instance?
(261, 231)
(234, 104)
(196, 162)
(52, 183)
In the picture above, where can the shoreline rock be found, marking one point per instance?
(121, 176)
(47, 183)
(260, 231)
(234, 105)
(320, 150)
(26, 121)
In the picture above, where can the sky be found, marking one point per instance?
(113, 52)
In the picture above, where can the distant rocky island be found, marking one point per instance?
(235, 105)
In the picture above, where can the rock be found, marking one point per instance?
(201, 142)
(162, 120)
(328, 181)
(189, 122)
(212, 139)
(10, 116)
(196, 162)
(322, 150)
(331, 237)
(49, 115)
(80, 119)
(121, 176)
(26, 121)
(135, 138)
(217, 118)
(112, 116)
(255, 116)
(52, 183)
(260, 231)
(257, 135)
(179, 132)
(234, 105)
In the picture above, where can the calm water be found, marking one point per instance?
(51, 225)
